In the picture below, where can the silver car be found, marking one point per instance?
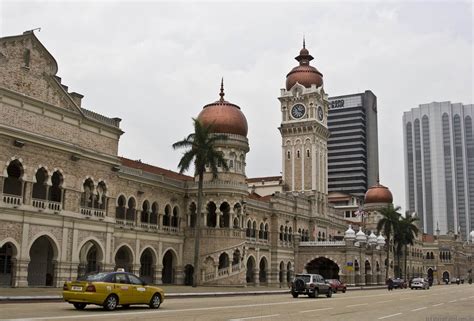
(419, 283)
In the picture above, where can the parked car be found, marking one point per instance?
(399, 283)
(311, 285)
(110, 289)
(420, 283)
(337, 285)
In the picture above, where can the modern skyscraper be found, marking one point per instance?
(353, 159)
(439, 166)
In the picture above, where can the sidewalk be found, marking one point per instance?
(171, 292)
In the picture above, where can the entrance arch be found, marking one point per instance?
(188, 274)
(368, 272)
(250, 269)
(169, 262)
(124, 259)
(430, 276)
(8, 254)
(90, 258)
(281, 275)
(446, 276)
(323, 266)
(262, 277)
(43, 255)
(147, 263)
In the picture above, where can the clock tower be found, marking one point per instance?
(304, 131)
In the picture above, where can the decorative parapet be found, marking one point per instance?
(323, 243)
(151, 176)
(103, 119)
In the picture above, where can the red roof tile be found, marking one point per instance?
(257, 197)
(154, 169)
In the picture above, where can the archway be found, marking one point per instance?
(188, 274)
(250, 268)
(147, 272)
(323, 266)
(368, 272)
(41, 269)
(223, 261)
(211, 215)
(430, 276)
(90, 258)
(446, 276)
(281, 275)
(7, 256)
(289, 272)
(167, 274)
(124, 259)
(262, 277)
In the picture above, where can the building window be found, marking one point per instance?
(307, 153)
(27, 58)
(288, 154)
(297, 154)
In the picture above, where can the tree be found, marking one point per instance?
(388, 224)
(200, 151)
(408, 231)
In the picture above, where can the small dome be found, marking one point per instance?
(225, 117)
(472, 235)
(304, 74)
(380, 239)
(349, 234)
(360, 236)
(372, 238)
(378, 194)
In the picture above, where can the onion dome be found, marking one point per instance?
(224, 117)
(380, 240)
(360, 236)
(378, 194)
(304, 74)
(372, 238)
(349, 234)
(472, 235)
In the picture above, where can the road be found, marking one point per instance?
(446, 302)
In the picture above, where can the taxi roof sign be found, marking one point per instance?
(120, 270)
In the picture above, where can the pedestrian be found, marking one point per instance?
(390, 284)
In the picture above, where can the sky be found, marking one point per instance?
(156, 64)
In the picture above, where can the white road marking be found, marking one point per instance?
(452, 301)
(322, 309)
(384, 301)
(406, 299)
(257, 317)
(389, 316)
(419, 309)
(108, 315)
(356, 305)
(437, 305)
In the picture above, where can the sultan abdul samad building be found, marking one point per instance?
(69, 205)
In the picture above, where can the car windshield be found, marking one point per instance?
(306, 278)
(93, 277)
(418, 280)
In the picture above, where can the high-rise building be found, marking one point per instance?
(353, 158)
(439, 166)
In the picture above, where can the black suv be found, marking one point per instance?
(311, 285)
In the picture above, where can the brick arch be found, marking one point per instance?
(52, 239)
(96, 242)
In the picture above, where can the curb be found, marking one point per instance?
(59, 298)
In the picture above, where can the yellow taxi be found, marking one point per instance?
(110, 289)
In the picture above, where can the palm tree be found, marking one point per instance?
(201, 150)
(409, 231)
(388, 224)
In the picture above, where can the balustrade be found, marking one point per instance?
(12, 199)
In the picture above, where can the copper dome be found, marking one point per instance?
(304, 74)
(378, 194)
(225, 117)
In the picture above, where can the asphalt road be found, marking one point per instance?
(448, 302)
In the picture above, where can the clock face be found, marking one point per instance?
(298, 111)
(320, 113)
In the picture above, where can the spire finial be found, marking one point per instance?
(222, 89)
(378, 179)
(304, 43)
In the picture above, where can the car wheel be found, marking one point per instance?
(111, 302)
(335, 290)
(294, 294)
(344, 291)
(329, 293)
(155, 301)
(80, 306)
(316, 293)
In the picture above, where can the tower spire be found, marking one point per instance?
(222, 89)
(304, 43)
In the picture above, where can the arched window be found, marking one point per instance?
(87, 197)
(120, 210)
(297, 154)
(40, 187)
(281, 232)
(307, 153)
(167, 216)
(254, 229)
(324, 236)
(288, 154)
(131, 210)
(290, 233)
(154, 213)
(175, 218)
(55, 191)
(144, 217)
(12, 184)
(248, 232)
(285, 237)
(319, 236)
(260, 231)
(265, 234)
(100, 197)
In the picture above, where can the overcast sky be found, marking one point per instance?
(155, 64)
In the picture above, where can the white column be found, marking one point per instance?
(313, 166)
(293, 167)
